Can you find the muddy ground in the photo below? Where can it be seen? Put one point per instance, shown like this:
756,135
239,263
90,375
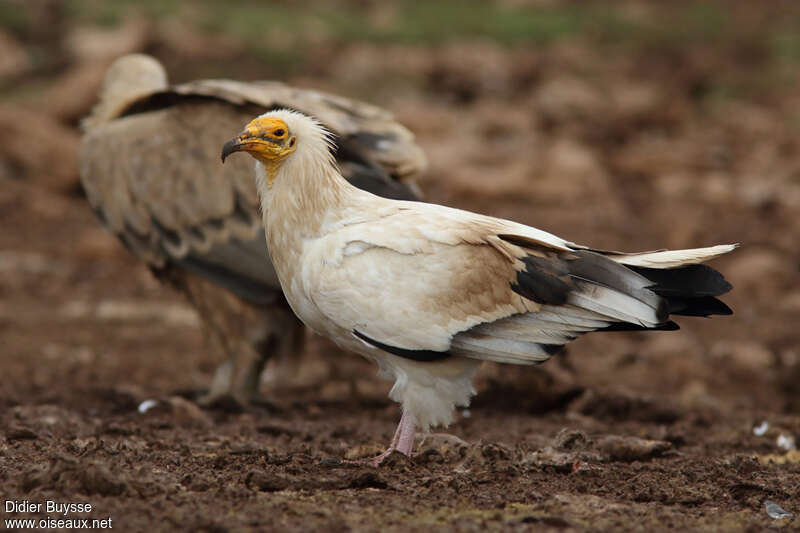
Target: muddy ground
656,144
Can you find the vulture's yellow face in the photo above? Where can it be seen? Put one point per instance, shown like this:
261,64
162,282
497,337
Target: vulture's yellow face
266,139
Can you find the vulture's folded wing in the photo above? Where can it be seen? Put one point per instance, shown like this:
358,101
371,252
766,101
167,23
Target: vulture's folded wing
426,287
154,180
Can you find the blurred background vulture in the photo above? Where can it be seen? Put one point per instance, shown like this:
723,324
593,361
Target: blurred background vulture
150,166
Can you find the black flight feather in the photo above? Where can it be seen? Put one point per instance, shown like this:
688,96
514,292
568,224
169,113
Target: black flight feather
415,355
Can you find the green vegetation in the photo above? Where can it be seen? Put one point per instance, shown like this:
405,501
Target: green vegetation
13,18
291,25
113,12
284,33
410,22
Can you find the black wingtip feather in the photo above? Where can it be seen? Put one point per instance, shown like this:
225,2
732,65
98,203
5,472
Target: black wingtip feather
702,306
689,290
686,281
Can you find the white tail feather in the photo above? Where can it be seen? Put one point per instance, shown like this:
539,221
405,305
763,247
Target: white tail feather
673,258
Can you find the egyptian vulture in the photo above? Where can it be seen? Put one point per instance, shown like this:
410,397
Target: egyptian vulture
429,292
150,170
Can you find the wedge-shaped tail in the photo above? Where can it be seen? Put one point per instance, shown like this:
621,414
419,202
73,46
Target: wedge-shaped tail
587,290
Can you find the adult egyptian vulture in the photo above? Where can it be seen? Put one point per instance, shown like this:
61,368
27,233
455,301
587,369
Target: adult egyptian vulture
150,170
429,292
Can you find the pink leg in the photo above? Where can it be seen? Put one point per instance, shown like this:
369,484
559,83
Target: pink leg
396,437
403,440
407,429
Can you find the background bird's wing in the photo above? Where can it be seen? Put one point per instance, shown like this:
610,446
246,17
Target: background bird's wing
365,134
155,179
152,172
489,289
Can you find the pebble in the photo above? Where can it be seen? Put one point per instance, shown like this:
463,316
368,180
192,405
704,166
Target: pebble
146,406
761,429
786,442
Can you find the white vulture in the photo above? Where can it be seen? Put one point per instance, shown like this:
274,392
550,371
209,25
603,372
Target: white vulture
429,292
150,170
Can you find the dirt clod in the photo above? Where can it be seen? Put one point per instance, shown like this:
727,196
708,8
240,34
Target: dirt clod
570,439
265,481
20,433
632,448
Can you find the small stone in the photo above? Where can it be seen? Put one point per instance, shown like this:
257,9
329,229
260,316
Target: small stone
786,442
146,406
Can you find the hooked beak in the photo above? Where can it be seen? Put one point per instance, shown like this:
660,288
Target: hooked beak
236,144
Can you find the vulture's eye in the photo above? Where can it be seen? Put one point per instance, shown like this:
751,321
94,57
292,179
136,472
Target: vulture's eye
279,133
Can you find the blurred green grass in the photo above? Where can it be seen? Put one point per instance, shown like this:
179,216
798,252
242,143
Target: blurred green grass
435,22
402,22
287,34
290,26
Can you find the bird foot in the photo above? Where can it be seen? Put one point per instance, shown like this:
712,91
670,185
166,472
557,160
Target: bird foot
402,442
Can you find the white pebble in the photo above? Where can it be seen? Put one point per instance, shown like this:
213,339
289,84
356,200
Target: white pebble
146,406
786,442
761,429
